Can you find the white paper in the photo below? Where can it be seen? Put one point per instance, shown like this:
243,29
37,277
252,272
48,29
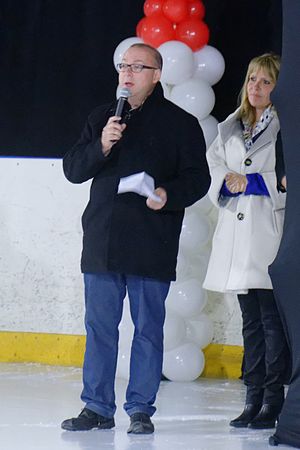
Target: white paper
141,183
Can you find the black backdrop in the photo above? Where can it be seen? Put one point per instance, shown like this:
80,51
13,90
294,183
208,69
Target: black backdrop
56,62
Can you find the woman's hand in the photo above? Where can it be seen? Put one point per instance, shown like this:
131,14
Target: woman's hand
283,182
235,182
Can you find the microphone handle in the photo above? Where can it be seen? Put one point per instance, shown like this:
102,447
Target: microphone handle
120,106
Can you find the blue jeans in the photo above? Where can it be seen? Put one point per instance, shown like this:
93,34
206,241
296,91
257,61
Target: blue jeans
104,295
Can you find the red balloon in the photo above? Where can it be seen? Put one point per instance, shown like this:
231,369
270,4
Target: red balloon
175,10
157,29
139,27
153,7
193,32
196,9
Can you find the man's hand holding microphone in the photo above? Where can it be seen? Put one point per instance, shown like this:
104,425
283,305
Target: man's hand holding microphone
111,133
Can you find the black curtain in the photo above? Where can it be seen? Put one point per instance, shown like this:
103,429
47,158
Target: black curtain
56,59
241,30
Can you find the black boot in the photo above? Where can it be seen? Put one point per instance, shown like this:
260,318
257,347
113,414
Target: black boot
266,418
87,420
285,437
242,421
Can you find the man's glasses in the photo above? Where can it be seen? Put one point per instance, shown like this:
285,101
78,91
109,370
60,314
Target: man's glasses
136,68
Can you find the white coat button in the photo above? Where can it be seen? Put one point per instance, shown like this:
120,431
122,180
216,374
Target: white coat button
240,216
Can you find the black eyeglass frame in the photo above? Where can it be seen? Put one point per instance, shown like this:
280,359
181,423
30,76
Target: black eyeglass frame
122,67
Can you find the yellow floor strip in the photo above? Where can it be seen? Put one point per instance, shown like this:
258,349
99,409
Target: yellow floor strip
221,361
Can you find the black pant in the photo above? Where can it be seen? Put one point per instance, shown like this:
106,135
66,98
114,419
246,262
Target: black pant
266,354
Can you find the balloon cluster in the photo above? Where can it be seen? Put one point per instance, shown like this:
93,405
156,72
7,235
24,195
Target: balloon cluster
190,69
187,328
167,20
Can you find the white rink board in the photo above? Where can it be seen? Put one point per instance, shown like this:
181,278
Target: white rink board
40,246
41,287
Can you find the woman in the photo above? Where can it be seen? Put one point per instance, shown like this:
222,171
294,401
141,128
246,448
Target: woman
247,237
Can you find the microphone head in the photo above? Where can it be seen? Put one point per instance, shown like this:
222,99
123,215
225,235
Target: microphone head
124,92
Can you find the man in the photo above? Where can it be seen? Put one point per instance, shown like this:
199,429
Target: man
129,243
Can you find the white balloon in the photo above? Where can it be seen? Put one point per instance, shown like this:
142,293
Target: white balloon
174,330
183,268
122,47
199,264
126,327
178,62
123,363
183,363
167,88
209,64
194,96
209,127
200,330
187,298
195,232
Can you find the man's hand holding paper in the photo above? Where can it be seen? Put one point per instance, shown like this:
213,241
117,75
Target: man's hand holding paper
143,184
157,204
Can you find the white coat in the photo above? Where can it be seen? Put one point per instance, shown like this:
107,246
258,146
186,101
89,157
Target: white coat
249,227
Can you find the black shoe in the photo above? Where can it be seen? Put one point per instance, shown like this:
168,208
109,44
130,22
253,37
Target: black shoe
87,420
274,441
285,437
242,421
266,418
140,423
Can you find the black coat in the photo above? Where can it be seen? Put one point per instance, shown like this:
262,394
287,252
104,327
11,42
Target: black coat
120,233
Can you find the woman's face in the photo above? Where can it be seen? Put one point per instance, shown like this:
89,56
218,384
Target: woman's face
259,88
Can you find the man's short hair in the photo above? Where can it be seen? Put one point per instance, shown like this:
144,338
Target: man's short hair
156,55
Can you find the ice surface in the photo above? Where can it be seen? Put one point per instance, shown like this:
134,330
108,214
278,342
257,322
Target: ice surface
190,416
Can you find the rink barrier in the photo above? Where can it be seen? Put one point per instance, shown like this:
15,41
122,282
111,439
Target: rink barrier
221,361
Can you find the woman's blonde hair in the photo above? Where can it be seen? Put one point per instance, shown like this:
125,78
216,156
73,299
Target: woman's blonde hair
270,63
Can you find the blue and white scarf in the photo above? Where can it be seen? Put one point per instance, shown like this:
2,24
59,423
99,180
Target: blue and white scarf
251,134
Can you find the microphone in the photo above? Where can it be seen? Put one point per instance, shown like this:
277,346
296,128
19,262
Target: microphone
124,94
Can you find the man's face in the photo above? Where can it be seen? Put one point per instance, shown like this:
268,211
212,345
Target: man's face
140,84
